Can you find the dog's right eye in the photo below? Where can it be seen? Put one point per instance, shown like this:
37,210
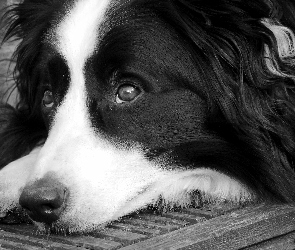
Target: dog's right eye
127,93
47,99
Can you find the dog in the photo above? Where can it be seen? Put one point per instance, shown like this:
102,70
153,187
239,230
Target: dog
133,104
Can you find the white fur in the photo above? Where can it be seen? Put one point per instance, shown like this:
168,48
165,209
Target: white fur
284,36
285,39
77,34
13,178
104,182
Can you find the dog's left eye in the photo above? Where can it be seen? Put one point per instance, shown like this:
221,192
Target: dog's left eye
127,93
48,100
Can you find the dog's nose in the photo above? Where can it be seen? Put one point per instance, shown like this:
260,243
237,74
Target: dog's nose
44,200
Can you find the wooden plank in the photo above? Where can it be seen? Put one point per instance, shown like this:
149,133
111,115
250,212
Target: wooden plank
126,231
89,242
28,236
286,242
120,235
233,231
15,241
8,245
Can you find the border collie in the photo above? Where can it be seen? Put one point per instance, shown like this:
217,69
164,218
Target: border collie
129,104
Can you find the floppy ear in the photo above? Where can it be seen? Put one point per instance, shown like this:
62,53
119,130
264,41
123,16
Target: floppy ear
23,127
30,16
248,49
27,22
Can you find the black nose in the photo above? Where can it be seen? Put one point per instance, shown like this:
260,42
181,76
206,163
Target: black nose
44,200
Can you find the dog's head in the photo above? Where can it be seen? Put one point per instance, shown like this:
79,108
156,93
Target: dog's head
149,102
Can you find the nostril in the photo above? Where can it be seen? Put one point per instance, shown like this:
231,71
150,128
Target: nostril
44,203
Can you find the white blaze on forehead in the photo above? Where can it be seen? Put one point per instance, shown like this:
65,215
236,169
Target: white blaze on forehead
76,38
77,33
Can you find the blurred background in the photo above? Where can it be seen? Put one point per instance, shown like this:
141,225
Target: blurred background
7,92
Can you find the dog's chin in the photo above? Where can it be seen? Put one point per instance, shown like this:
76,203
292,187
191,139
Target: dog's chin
175,191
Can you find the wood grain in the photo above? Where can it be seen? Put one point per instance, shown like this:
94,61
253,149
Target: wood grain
286,242
234,231
254,227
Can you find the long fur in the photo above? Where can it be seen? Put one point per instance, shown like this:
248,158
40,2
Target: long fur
244,52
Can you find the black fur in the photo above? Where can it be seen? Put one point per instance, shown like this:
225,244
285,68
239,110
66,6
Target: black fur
248,130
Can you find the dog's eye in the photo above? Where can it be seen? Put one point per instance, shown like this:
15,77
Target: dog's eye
127,93
47,100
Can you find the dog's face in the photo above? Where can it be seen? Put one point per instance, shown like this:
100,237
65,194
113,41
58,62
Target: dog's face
127,101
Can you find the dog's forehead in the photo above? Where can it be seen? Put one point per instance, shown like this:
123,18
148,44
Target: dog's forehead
77,34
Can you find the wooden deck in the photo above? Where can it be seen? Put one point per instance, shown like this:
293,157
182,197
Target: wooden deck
270,227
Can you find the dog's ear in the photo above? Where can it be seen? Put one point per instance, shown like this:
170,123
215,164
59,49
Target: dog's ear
245,53
30,16
28,22
22,126
248,48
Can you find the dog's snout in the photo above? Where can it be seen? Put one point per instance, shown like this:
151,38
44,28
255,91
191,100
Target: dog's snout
44,201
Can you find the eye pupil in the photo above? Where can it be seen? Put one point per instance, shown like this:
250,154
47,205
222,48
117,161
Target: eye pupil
127,93
47,100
